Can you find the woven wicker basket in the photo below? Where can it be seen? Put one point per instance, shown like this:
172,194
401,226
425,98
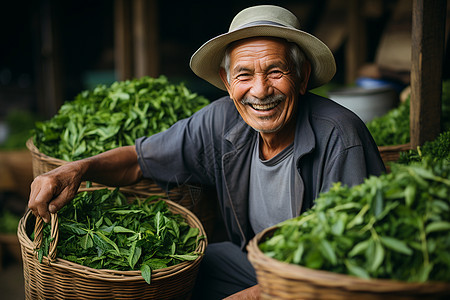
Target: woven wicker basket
57,278
193,197
43,163
279,280
392,153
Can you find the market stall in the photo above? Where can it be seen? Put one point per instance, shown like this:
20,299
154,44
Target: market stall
137,56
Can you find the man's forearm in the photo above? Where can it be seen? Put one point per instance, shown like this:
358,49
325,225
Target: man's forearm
117,167
251,293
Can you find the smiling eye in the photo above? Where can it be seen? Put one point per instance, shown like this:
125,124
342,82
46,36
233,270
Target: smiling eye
244,76
275,74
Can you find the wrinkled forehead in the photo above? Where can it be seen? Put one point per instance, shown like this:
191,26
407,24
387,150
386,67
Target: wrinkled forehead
273,41
266,50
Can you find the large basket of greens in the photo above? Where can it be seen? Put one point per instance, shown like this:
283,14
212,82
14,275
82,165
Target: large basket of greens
108,117
107,244
391,131
388,238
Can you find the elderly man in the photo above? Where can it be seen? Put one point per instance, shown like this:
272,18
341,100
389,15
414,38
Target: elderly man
269,148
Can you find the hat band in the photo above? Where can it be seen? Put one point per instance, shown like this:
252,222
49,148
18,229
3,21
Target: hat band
255,23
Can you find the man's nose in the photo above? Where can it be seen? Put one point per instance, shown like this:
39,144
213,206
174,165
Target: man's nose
261,87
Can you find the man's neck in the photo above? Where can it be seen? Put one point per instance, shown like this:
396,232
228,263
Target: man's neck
273,143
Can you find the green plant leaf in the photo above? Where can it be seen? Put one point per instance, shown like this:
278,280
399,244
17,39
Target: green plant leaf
396,245
146,272
135,254
437,226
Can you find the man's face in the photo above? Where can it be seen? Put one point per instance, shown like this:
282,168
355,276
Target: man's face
263,83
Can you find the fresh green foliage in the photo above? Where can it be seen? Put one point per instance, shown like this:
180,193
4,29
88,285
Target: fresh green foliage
395,226
436,150
100,229
8,222
108,117
393,127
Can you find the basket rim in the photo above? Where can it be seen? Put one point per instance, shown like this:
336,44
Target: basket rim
330,279
400,147
116,275
40,159
35,151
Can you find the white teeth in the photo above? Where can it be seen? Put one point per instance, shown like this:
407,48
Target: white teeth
265,106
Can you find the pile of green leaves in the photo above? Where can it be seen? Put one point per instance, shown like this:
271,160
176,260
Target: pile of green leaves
395,226
393,127
111,116
100,229
436,150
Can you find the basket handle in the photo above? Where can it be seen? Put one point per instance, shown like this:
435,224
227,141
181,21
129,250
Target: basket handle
54,234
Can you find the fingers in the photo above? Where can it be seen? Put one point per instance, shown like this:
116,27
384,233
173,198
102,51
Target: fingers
44,189
52,190
62,199
40,196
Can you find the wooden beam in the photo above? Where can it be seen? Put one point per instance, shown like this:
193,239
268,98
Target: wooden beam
122,40
428,30
355,52
49,66
145,38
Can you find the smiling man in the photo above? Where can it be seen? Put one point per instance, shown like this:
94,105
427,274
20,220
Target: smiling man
263,82
269,148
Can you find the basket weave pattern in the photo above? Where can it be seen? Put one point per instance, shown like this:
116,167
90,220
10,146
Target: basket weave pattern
279,280
57,278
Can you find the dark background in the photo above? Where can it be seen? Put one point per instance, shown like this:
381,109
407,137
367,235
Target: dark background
86,42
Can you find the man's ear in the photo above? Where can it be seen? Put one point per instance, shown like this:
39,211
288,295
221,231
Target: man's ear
305,73
223,76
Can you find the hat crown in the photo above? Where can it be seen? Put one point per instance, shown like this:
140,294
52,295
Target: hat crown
264,21
264,15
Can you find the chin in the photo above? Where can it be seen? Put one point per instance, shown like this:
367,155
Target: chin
267,130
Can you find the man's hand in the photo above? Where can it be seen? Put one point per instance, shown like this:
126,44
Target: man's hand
252,293
52,190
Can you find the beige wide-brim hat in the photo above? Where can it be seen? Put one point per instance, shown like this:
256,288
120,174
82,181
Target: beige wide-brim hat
264,20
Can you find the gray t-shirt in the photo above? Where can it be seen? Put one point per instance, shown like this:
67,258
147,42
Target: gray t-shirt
270,195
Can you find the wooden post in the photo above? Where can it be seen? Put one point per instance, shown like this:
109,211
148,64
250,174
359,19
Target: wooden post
428,30
145,39
355,53
50,92
122,40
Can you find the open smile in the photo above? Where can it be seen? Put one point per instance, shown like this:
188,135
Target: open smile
265,107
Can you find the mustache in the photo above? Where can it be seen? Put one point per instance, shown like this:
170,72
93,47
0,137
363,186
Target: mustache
266,100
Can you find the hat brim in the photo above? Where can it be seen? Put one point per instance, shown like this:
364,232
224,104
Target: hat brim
205,62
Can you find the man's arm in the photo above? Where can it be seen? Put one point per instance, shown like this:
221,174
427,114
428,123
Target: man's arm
251,293
52,190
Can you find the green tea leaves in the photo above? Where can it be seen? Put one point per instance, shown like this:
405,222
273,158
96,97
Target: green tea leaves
437,226
86,241
146,272
396,245
327,251
135,254
108,117
113,234
393,226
